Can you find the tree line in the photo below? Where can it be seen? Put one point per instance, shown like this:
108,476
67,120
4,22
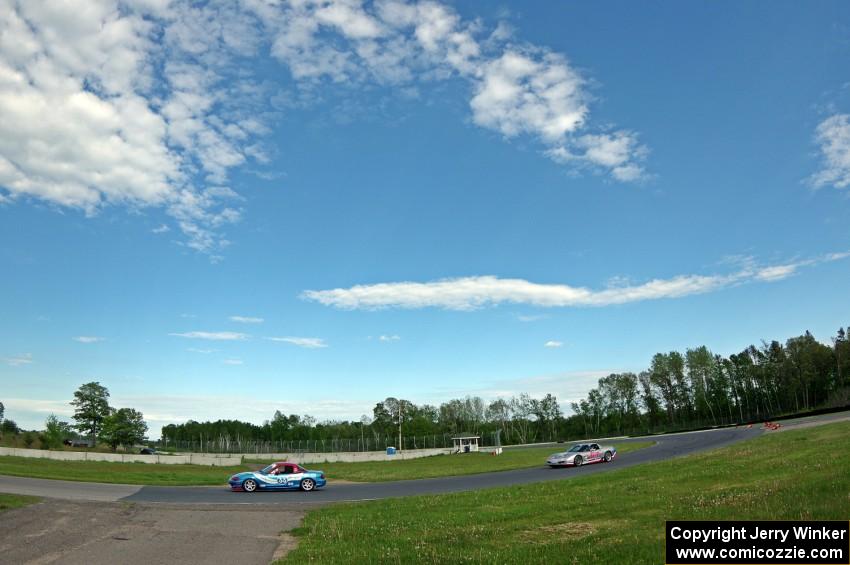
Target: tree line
94,418
394,421
699,387
677,391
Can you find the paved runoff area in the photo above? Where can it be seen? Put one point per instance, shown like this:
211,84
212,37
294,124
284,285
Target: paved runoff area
94,523
94,533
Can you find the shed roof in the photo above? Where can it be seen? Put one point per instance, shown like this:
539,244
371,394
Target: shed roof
466,437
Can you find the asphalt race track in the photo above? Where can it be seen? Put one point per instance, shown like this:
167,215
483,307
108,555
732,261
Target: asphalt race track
667,446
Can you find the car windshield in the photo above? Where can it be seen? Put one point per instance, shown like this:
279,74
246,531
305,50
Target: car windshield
267,470
575,448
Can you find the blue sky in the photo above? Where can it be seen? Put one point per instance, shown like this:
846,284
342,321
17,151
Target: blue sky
224,209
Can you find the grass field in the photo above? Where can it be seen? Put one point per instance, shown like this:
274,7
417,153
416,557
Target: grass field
10,501
616,517
448,465
126,473
201,475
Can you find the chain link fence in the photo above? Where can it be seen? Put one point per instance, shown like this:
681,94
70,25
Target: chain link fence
224,444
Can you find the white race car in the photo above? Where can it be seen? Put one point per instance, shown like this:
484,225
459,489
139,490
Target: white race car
581,454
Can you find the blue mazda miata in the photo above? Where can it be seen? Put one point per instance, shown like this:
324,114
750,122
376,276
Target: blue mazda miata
278,476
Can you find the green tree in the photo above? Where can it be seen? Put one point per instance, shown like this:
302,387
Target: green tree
91,408
125,426
54,432
700,367
9,427
548,413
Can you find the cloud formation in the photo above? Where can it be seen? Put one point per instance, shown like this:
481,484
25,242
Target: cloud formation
553,344
516,88
88,339
247,319
19,360
306,342
113,103
833,138
470,293
151,104
213,336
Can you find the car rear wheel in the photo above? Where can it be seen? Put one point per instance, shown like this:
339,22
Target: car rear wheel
608,456
578,461
249,485
307,485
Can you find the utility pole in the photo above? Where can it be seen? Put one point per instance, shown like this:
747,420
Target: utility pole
400,418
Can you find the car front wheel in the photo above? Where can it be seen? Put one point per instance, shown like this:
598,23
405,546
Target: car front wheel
607,456
578,461
250,485
307,485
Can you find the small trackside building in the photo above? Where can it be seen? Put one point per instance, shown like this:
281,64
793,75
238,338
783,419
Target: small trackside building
466,443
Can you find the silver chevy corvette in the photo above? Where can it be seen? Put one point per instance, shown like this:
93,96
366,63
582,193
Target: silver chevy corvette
581,454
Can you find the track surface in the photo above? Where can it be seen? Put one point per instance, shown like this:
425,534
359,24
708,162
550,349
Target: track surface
667,446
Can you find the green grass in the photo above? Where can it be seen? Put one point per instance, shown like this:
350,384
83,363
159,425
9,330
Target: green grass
615,517
10,501
126,473
201,475
447,465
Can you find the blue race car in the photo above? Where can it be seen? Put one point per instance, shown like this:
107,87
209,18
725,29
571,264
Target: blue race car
278,476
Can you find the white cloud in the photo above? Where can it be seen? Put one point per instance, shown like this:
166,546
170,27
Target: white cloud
516,89
161,229
306,342
389,338
776,272
246,319
41,407
833,138
106,103
201,351
553,344
213,336
526,92
88,339
19,360
530,317
232,362
618,152
141,103
469,293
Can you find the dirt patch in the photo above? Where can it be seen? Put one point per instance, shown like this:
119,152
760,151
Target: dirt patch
555,533
287,543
